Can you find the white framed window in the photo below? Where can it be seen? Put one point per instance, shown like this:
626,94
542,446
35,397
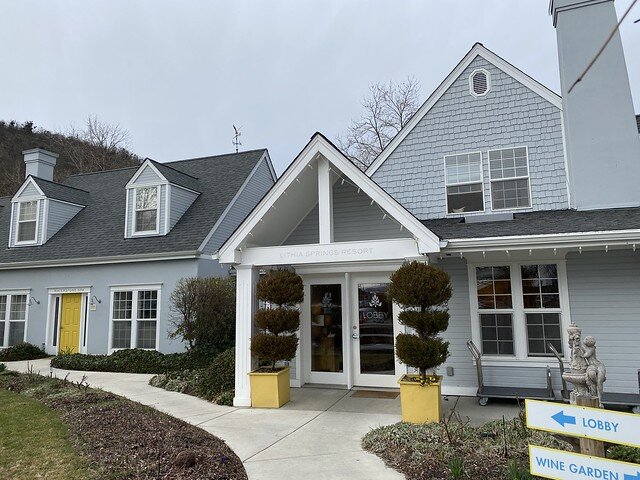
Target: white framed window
13,318
518,308
479,82
134,317
146,215
464,183
509,174
27,224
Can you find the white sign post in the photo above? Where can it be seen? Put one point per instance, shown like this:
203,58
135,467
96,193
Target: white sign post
561,465
586,422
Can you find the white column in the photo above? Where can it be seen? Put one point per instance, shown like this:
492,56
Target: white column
325,201
246,279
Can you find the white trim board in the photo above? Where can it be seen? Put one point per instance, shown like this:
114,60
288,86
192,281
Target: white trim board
318,147
478,50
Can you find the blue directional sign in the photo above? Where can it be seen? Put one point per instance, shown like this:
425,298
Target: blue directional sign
594,423
561,465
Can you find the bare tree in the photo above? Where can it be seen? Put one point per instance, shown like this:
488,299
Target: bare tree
386,110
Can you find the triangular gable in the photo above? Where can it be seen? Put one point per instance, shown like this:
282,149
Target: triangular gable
320,147
145,169
29,189
478,50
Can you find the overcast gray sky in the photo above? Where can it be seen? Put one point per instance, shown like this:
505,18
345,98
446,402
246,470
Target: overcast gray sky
178,74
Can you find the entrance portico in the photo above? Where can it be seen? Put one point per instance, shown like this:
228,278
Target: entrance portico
344,235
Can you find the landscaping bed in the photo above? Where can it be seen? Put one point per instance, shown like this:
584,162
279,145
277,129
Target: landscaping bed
22,351
214,383
119,439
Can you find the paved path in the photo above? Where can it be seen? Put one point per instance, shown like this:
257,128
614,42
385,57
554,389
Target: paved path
316,436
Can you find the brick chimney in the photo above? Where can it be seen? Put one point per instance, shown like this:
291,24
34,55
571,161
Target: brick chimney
40,163
602,143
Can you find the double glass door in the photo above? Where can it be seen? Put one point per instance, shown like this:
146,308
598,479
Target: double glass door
352,325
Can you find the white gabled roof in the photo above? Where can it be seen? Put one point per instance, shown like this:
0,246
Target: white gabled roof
478,50
320,146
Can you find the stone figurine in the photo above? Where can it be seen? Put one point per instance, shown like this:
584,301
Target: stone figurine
587,374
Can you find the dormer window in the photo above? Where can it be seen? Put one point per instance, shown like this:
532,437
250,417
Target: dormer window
146,210
27,222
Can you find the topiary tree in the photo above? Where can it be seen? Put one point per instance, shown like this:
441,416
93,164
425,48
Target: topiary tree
277,340
423,292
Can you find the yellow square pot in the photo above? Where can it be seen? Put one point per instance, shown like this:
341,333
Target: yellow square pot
270,389
420,403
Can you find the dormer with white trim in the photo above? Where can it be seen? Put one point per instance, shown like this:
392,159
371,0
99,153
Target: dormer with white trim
156,198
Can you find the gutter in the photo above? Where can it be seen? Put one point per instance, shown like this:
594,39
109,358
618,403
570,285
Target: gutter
114,259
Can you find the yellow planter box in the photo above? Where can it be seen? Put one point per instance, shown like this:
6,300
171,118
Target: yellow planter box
270,389
420,404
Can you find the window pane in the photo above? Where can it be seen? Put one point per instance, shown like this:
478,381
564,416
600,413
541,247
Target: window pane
28,210
543,328
3,307
493,285
540,286
16,333
121,337
497,334
26,231
2,326
461,202
146,198
146,334
463,168
18,307
510,194
146,220
147,304
122,302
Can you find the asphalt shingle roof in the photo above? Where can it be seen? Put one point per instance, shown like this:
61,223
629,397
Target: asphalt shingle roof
176,177
98,230
63,192
539,223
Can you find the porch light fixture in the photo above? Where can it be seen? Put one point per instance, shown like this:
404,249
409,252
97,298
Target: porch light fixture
32,300
95,299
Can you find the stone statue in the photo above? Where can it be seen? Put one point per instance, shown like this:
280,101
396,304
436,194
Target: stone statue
587,374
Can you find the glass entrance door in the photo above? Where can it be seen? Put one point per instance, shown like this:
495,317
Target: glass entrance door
374,330
326,332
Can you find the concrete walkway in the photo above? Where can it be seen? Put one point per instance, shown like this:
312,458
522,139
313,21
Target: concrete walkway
315,436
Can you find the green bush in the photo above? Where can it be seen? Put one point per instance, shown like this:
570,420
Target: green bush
624,453
204,313
3,367
214,383
22,351
135,361
276,339
423,292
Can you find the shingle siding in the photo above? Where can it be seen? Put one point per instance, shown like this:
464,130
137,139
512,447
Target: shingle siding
259,184
148,177
509,115
59,214
179,202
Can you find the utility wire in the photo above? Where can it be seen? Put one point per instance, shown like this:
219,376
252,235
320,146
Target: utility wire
617,27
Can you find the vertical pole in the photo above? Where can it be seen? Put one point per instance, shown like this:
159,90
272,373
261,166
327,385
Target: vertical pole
246,279
594,448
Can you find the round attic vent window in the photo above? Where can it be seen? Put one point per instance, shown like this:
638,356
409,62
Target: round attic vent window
479,82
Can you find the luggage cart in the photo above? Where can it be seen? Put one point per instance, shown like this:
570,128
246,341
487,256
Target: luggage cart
485,392
631,400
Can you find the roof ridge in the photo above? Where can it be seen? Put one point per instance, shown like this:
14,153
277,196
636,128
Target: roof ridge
216,156
36,179
103,171
174,169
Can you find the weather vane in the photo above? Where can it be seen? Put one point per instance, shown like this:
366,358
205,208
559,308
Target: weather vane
236,137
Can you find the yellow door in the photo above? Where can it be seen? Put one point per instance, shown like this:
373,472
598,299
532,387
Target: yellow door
70,322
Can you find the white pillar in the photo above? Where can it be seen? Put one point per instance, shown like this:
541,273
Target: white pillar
325,202
246,279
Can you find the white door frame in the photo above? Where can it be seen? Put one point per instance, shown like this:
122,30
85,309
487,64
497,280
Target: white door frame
363,379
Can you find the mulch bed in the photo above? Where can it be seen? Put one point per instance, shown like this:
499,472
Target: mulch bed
126,440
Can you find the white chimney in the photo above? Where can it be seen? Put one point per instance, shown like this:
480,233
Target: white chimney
601,135
40,163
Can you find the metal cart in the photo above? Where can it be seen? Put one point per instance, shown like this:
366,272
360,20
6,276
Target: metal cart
631,400
486,391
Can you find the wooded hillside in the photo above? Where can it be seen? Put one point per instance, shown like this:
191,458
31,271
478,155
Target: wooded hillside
95,148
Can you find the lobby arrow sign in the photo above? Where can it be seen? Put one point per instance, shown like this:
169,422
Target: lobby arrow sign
561,465
587,422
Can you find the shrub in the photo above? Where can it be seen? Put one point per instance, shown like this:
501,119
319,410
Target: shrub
135,361
22,351
423,292
276,339
204,312
624,453
3,367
